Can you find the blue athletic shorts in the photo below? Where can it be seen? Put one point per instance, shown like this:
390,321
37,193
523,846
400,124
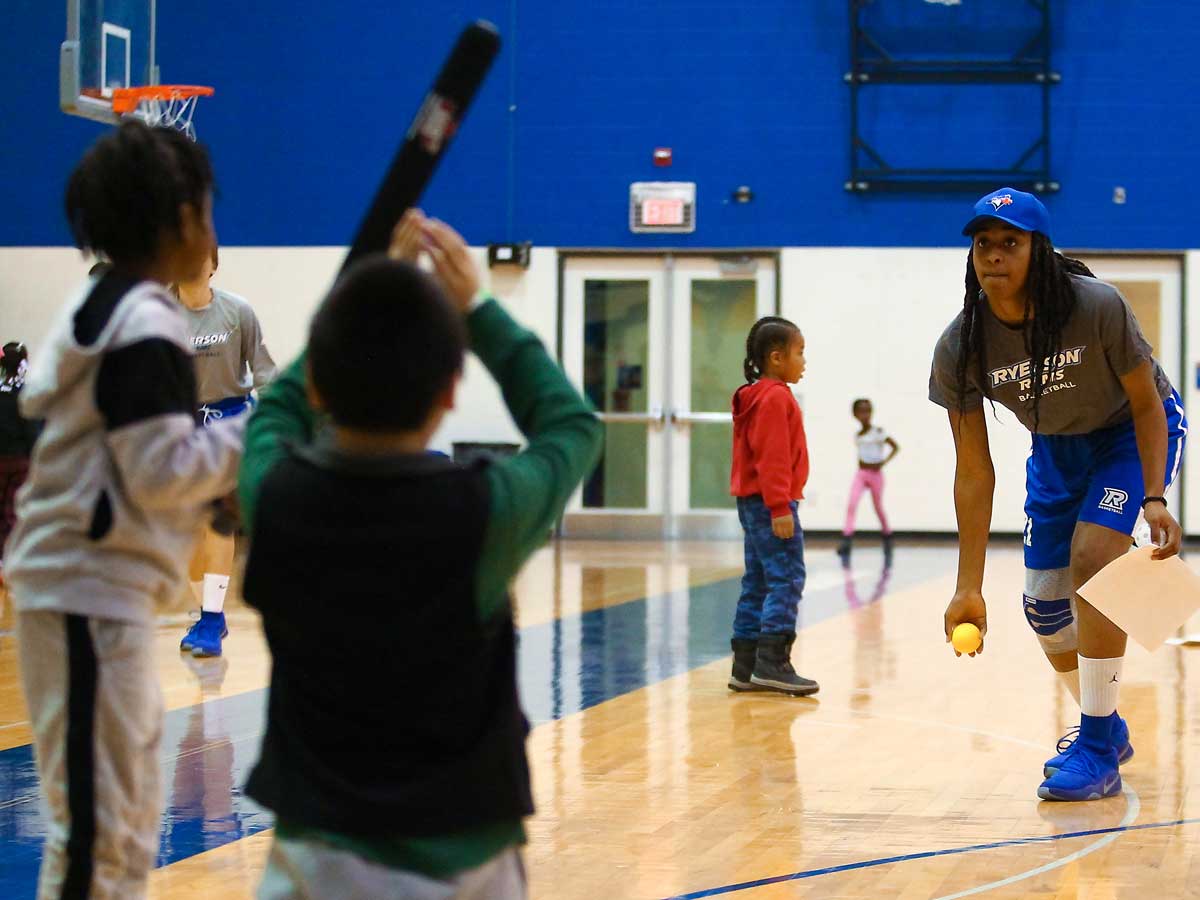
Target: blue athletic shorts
1094,477
224,409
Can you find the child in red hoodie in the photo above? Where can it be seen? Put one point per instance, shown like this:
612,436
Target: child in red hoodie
770,468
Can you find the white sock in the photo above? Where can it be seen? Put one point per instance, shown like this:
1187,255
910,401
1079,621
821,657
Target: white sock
213,717
1070,681
214,592
1099,683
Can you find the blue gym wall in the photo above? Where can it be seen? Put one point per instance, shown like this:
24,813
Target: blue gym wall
312,98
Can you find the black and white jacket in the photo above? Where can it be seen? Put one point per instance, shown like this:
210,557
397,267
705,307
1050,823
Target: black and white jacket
122,475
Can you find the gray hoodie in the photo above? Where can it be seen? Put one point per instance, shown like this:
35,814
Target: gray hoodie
121,475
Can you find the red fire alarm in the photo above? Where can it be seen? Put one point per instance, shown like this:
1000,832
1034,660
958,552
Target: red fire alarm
662,156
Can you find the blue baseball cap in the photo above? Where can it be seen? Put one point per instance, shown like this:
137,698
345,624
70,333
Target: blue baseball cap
1017,208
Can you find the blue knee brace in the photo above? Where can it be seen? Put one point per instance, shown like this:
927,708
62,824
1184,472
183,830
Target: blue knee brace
1050,609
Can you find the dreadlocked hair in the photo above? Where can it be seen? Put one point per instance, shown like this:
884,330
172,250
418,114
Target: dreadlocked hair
768,333
1049,302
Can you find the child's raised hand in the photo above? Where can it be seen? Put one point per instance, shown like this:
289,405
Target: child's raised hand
452,262
784,527
406,237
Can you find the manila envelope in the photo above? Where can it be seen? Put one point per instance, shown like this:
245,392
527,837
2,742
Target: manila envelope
1147,599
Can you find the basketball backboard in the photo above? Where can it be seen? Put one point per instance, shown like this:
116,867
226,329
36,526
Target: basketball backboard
110,44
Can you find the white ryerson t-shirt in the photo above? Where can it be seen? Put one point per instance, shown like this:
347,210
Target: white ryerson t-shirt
1101,342
872,446
231,358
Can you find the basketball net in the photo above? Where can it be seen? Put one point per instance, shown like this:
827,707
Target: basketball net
174,113
162,106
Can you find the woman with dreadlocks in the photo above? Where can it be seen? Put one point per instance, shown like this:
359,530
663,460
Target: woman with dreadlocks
1039,334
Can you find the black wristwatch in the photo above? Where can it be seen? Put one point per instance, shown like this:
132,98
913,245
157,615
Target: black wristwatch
1145,500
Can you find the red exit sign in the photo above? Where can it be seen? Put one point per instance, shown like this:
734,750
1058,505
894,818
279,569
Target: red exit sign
659,207
662,211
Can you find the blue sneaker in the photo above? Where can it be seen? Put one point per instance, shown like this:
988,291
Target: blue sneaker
1090,771
204,637
1120,739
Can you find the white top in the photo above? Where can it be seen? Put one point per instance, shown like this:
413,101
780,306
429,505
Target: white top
872,446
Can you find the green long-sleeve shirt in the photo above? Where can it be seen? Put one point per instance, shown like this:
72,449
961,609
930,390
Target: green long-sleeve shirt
527,494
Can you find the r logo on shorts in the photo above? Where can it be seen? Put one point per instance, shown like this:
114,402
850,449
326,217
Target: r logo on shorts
1114,500
1073,478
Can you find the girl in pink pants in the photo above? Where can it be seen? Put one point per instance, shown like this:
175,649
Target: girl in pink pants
876,449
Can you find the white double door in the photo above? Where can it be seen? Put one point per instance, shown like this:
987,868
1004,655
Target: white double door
657,344
1154,288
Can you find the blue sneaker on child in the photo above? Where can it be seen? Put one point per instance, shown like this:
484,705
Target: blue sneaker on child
1090,770
1066,743
204,637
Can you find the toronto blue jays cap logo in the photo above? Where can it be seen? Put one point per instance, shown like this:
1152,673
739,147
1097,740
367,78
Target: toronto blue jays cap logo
1013,207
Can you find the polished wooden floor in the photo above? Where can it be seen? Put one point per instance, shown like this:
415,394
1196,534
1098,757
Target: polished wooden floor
911,775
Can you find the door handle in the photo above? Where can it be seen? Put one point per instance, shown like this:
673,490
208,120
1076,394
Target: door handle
686,417
654,417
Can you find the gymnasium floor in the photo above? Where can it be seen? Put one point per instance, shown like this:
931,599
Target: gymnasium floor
911,775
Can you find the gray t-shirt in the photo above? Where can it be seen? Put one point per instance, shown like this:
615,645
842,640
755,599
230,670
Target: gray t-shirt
1101,342
227,341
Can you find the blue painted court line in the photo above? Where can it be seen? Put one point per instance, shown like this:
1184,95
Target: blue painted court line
606,653
885,861
565,666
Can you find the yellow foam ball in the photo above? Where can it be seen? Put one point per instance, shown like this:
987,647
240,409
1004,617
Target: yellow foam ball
966,638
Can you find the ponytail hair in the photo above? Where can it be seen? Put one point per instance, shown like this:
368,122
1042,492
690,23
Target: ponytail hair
768,334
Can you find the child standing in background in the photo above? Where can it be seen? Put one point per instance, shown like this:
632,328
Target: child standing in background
770,468
17,435
231,360
876,449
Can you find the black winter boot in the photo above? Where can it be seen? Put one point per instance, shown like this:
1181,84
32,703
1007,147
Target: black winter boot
744,652
843,550
887,551
773,667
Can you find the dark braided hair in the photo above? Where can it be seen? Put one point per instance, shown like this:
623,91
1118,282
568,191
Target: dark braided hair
768,333
1049,302
125,193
